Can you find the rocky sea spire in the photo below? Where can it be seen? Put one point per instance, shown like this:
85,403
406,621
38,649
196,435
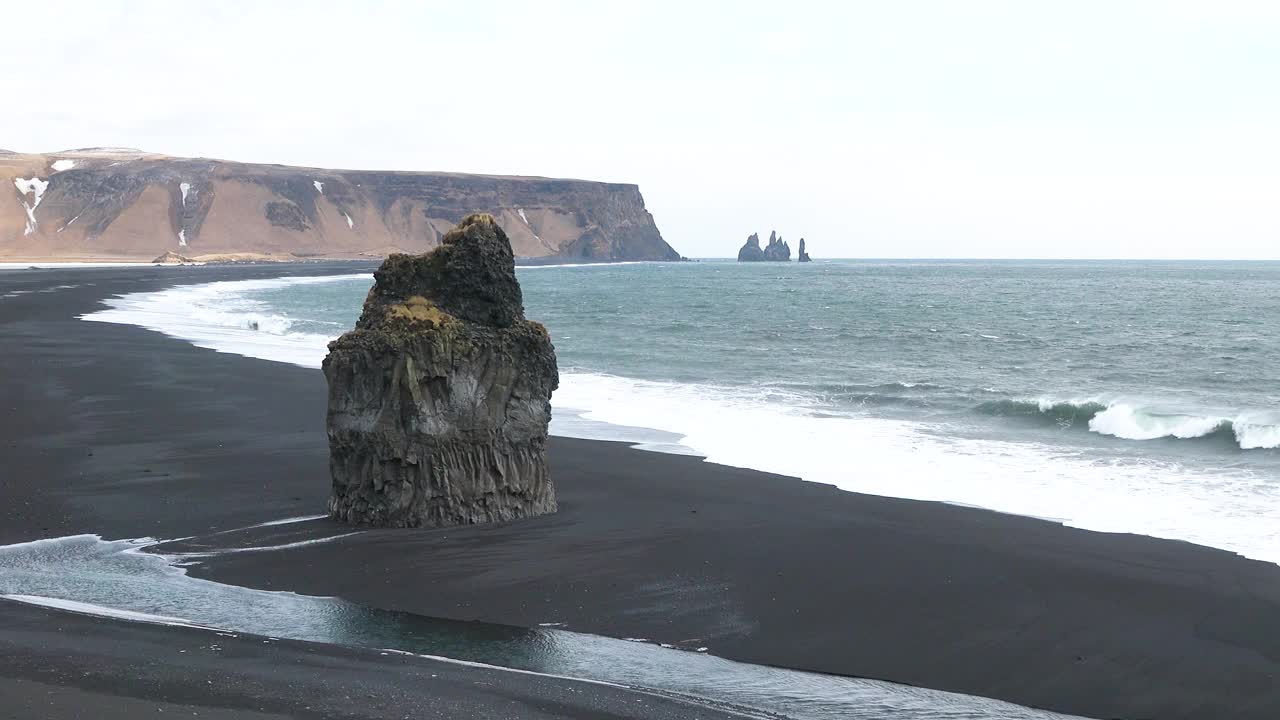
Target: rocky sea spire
777,249
439,399
751,251
802,255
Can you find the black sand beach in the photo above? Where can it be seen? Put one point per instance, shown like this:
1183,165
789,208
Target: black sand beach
126,433
60,665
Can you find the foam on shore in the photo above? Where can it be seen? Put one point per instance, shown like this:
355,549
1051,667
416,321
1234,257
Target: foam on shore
116,579
788,433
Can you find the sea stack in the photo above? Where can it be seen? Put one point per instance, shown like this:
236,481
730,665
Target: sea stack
439,399
750,251
803,256
776,251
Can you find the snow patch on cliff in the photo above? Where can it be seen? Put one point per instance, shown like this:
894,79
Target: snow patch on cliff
60,165
105,151
525,218
350,223
182,231
71,221
31,186
319,186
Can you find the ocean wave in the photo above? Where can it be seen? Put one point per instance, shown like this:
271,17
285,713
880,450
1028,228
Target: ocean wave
224,316
1132,421
831,395
1064,413
810,431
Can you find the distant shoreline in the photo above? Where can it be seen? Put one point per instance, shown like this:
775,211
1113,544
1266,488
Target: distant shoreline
13,263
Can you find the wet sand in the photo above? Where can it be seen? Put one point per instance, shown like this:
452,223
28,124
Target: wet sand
123,432
63,666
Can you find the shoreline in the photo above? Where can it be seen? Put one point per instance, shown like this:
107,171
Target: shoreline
60,664
1025,476
147,435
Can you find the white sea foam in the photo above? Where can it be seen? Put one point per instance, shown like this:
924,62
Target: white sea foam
98,610
218,316
1131,423
913,460
262,548
288,521
1257,431
86,574
1134,420
898,458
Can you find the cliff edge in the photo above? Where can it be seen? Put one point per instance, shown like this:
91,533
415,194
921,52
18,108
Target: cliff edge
118,203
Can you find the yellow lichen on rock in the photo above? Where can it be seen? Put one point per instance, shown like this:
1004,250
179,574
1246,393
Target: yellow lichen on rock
460,229
421,309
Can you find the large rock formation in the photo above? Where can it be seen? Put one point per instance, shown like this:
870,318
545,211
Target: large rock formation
803,256
439,399
775,251
117,203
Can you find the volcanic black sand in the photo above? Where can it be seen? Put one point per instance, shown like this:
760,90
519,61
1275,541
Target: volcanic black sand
126,433
61,665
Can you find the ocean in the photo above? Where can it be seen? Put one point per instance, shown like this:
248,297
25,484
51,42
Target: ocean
1138,397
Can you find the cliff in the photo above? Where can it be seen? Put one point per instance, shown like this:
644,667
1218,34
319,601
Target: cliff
440,398
105,203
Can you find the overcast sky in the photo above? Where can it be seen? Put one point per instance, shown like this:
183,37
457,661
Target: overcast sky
873,129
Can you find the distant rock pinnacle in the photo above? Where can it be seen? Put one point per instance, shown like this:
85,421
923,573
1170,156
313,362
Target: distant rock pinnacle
776,251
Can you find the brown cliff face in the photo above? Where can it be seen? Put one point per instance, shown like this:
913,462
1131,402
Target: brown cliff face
128,204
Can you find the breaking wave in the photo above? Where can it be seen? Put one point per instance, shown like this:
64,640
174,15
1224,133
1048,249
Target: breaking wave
216,315
834,433
1132,421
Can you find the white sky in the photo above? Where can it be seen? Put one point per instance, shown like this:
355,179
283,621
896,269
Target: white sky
873,129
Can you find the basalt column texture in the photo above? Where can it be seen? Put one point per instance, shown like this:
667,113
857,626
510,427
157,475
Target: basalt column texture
439,399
